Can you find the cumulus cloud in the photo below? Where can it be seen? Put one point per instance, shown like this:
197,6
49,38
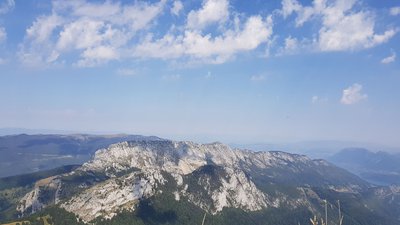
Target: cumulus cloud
38,46
342,26
97,55
352,95
391,58
176,8
293,45
212,11
6,6
86,33
394,11
304,13
97,32
93,33
213,49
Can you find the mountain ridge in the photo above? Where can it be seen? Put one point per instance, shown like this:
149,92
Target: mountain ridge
180,159
380,168
132,177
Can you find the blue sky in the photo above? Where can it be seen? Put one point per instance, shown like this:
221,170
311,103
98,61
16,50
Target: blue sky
234,71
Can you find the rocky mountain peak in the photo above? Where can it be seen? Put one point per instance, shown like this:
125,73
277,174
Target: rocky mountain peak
211,176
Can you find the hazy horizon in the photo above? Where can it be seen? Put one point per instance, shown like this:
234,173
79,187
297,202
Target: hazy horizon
311,147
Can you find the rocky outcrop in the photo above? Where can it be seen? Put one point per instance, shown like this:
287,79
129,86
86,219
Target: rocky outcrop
211,176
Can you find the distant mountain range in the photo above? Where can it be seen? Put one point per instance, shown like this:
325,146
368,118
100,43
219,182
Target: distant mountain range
167,182
380,168
24,153
321,149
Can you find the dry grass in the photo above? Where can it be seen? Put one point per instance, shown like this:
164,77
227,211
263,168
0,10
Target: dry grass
45,219
44,182
314,221
15,223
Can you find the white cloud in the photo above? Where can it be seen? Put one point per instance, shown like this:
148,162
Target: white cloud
97,32
140,15
342,26
257,78
42,29
353,94
352,32
394,11
212,11
176,7
97,55
292,46
136,16
218,49
3,34
38,47
391,58
82,34
289,7
6,6
304,13
87,33
81,8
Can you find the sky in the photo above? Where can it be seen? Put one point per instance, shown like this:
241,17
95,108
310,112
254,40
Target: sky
212,70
